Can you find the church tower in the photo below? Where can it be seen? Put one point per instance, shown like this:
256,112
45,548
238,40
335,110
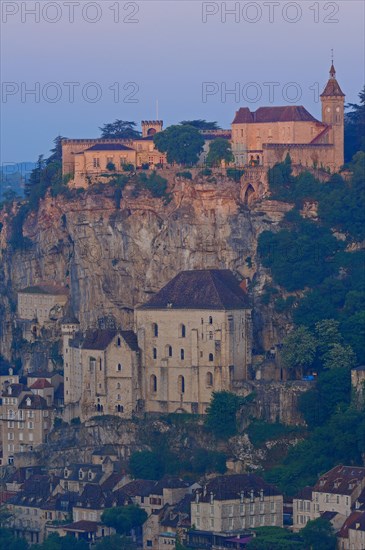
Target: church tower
333,113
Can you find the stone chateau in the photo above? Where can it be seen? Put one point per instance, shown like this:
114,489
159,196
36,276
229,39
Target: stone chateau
259,139
191,338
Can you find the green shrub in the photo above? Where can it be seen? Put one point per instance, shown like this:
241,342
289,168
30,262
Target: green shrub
186,175
234,174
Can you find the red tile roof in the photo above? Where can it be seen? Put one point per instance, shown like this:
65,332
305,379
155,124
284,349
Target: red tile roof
341,480
41,384
289,113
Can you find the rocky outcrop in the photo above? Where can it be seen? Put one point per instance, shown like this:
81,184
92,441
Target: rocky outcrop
113,256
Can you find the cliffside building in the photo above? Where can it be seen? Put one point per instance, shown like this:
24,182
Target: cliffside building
191,338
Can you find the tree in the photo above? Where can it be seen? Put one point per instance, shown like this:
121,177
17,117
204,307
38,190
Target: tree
116,542
319,534
274,538
55,542
183,144
146,465
121,129
201,124
339,357
219,150
299,350
221,418
124,518
355,127
8,541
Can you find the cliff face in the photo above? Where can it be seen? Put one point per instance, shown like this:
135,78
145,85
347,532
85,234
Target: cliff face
113,256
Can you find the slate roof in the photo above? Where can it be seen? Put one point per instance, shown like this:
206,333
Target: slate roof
169,482
332,87
230,487
355,521
101,338
52,290
341,480
289,113
213,289
109,147
138,487
82,526
16,390
305,493
36,402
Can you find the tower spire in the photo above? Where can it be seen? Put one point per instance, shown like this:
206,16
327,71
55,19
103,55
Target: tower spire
332,69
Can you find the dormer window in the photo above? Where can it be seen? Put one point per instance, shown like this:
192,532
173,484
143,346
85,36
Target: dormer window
81,474
65,473
90,476
28,402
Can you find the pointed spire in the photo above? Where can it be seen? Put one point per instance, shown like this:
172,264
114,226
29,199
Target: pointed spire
332,87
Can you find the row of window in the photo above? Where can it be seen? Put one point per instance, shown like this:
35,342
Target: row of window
21,435
251,521
180,382
169,353
181,329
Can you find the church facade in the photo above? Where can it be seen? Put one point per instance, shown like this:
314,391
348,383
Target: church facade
265,136
192,338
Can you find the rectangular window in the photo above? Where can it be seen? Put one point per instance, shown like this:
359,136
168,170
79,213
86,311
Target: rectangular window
96,163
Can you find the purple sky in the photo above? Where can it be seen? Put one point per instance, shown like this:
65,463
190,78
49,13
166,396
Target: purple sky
168,53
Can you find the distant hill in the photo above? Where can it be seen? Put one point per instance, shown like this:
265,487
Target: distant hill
14,176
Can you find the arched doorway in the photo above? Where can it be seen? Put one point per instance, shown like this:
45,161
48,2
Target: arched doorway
249,194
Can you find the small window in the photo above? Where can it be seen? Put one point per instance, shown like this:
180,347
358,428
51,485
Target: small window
155,330
118,386
209,379
182,331
181,384
210,320
119,367
168,351
154,353
119,342
153,383
211,357
182,354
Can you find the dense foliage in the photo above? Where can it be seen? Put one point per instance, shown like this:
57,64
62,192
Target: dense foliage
120,129
221,417
124,518
183,144
316,535
355,127
201,124
219,150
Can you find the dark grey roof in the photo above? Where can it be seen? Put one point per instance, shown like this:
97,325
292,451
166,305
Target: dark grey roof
288,113
213,289
109,147
100,339
230,487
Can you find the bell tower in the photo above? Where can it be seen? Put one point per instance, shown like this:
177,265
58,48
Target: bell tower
333,114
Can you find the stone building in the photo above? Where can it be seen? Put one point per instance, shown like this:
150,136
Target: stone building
195,338
39,306
236,502
26,420
101,372
336,491
264,137
352,534
89,160
192,338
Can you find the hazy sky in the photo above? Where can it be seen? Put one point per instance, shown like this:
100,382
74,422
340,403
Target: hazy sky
92,62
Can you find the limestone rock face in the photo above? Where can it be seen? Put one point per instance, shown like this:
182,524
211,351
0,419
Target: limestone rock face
113,256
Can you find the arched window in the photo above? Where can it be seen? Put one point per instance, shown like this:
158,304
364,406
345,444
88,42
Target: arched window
119,342
154,353
182,354
155,330
153,383
210,320
98,407
118,386
209,379
182,331
119,367
118,397
119,408
211,357
181,384
168,351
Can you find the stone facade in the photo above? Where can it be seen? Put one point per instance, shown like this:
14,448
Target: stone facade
236,502
266,136
336,491
39,306
26,420
192,338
